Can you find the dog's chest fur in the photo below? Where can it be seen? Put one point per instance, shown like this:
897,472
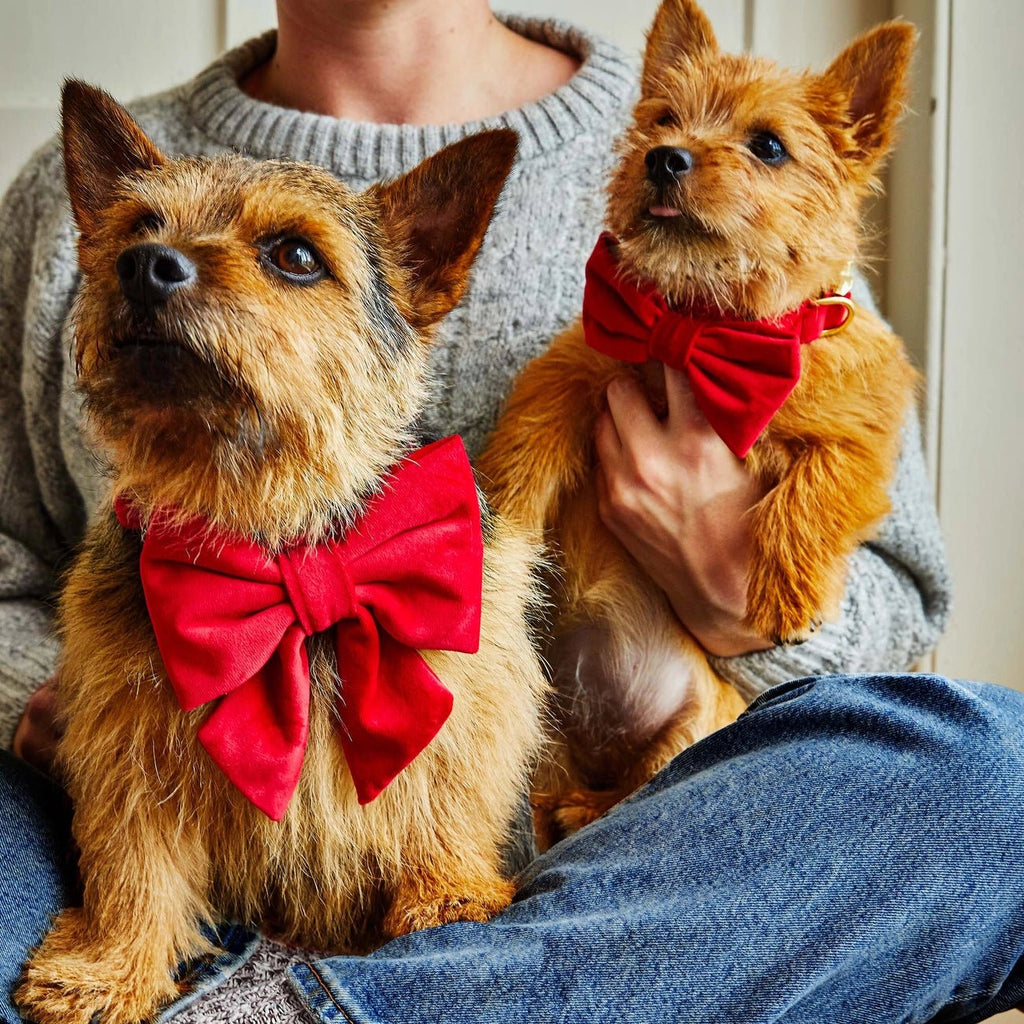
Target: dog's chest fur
320,877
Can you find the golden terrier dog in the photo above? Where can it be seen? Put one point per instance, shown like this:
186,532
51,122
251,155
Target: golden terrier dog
733,218
297,678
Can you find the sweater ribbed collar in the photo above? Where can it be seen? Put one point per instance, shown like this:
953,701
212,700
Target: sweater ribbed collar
601,88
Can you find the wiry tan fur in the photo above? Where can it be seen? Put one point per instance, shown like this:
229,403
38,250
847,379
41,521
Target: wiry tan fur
292,402
753,241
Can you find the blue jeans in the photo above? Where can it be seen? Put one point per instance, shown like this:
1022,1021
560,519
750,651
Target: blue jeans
36,873
851,850
38,877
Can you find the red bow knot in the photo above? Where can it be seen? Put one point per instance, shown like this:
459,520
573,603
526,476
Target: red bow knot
740,371
320,598
231,621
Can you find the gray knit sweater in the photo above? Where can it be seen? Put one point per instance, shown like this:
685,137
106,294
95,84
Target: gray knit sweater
526,286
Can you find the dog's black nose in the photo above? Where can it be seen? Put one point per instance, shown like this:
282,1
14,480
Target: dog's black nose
667,164
149,273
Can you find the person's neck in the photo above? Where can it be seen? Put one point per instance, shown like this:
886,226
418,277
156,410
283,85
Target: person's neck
404,62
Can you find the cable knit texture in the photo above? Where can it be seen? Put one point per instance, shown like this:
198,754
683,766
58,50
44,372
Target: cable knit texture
527,285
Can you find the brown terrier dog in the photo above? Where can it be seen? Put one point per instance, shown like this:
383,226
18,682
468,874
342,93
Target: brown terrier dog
252,341
736,200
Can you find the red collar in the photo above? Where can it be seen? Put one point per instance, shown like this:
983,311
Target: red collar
741,371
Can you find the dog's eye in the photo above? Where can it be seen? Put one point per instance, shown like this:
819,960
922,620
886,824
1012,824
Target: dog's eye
767,147
667,120
296,259
148,222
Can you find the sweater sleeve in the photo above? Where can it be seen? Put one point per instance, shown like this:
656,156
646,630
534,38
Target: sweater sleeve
29,543
898,590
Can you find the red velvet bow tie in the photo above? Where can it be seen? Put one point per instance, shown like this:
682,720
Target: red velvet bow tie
231,621
741,371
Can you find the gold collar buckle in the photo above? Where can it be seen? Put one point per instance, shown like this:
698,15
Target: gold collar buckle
840,299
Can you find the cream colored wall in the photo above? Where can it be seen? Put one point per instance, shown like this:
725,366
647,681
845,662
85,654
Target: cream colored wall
955,218
131,47
915,270
981,413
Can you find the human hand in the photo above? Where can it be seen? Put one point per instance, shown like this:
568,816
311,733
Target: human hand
678,500
38,732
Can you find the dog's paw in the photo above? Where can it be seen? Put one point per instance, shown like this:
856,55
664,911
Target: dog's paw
796,639
65,992
557,816
71,979
46,998
445,908
784,622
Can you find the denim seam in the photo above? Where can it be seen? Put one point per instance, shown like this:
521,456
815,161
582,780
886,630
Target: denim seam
780,694
330,995
311,987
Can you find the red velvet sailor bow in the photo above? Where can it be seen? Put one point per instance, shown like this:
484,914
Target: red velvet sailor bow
231,620
741,371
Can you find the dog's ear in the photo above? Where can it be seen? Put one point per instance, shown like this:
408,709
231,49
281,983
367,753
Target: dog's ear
102,144
437,214
873,73
680,29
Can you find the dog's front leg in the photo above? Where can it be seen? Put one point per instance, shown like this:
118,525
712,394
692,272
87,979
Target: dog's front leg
804,531
145,881
542,447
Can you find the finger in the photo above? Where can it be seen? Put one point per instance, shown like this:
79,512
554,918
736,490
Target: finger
35,744
683,413
605,511
42,705
40,754
39,728
43,714
607,443
21,735
635,421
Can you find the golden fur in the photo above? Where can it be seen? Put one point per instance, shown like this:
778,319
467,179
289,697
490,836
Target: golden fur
754,241
279,415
